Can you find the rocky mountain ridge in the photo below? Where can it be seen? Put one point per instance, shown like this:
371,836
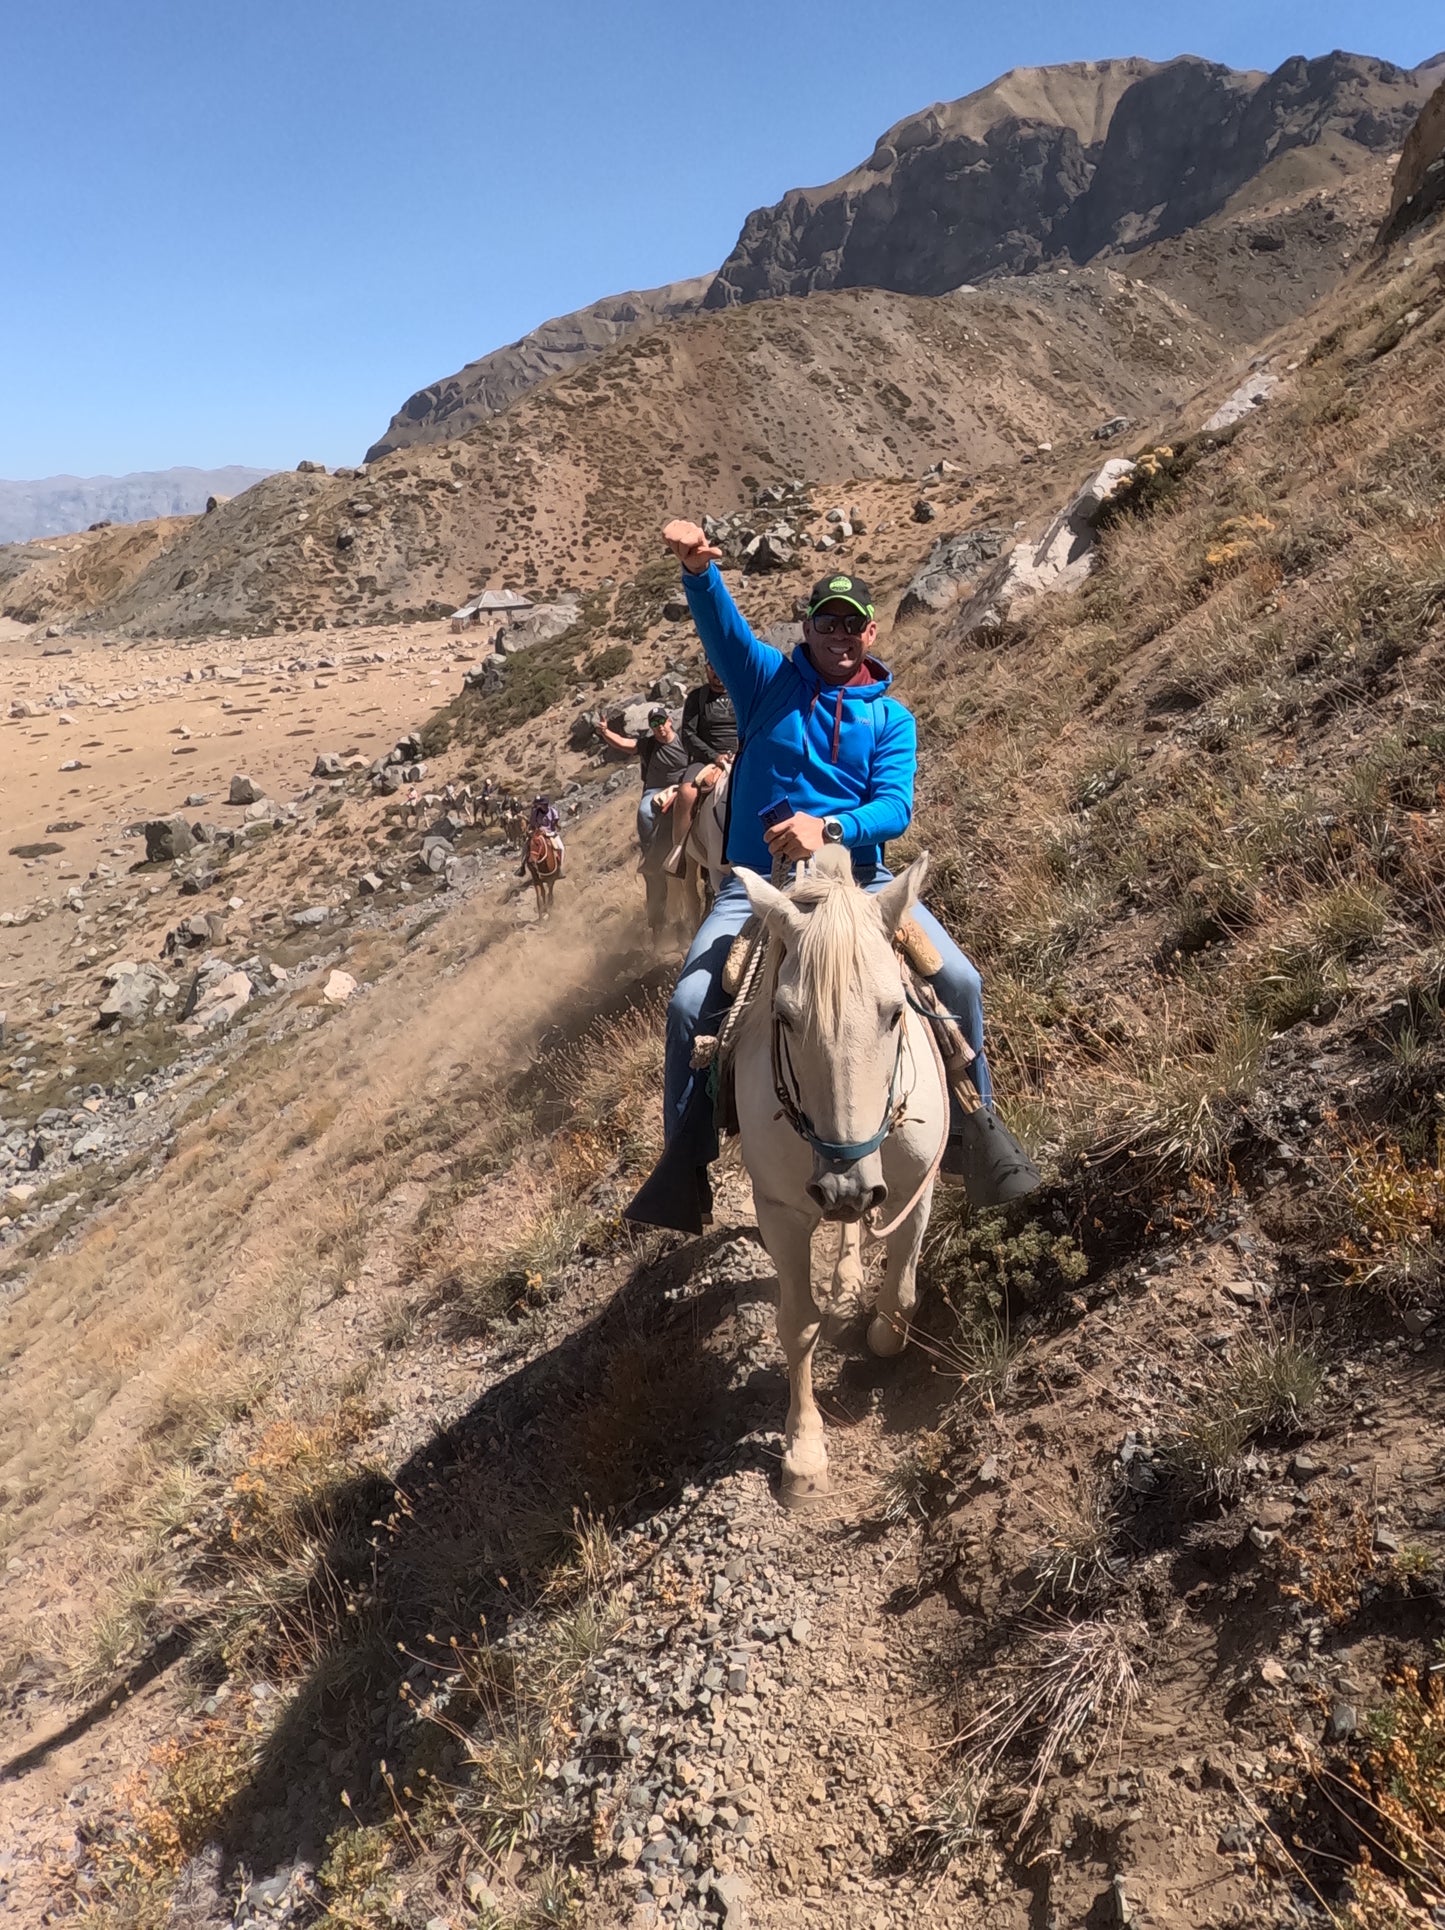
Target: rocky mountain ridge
1046,163
1012,176
485,387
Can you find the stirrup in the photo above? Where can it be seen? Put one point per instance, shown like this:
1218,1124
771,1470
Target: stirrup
992,1165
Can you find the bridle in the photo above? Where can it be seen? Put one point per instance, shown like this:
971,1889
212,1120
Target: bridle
785,1085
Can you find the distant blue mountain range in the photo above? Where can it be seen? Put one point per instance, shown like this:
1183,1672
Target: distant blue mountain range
56,505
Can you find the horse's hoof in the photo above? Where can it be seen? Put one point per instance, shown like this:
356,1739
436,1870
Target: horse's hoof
886,1337
804,1490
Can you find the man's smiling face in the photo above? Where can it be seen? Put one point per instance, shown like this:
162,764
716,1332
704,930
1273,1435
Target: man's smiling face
838,653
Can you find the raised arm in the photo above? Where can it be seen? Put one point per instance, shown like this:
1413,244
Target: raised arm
615,738
744,664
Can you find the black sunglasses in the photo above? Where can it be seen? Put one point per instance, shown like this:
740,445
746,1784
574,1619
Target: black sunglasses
829,626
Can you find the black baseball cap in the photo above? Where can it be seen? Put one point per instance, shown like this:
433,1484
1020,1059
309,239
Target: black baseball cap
657,715
841,589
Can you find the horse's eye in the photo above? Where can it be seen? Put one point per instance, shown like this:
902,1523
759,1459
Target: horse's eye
896,1020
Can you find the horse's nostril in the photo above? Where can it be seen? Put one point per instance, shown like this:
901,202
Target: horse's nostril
880,1195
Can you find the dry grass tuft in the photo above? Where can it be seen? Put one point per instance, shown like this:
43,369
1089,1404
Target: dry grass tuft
1082,1561
611,1080
1074,1688
1267,1385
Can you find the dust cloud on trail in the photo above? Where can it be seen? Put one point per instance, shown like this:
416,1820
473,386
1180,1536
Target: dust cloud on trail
172,1309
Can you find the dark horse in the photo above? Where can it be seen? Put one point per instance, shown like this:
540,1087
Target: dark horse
544,864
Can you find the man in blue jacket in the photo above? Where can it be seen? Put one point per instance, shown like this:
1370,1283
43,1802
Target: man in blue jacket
819,730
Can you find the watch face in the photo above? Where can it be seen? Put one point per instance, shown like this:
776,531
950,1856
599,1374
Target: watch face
832,831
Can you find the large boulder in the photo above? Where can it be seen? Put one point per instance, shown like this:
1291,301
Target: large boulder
953,562
1249,396
1060,560
541,625
216,997
1419,189
135,992
167,839
244,790
670,689
767,552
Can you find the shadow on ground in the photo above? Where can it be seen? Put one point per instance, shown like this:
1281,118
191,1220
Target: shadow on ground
614,1421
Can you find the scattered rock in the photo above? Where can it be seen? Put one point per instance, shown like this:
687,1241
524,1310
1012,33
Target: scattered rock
167,839
1115,426
924,511
1249,396
1342,1723
338,988
369,883
244,790
953,562
328,765
312,917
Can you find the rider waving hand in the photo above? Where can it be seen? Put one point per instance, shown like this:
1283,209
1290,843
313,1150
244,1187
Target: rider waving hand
820,729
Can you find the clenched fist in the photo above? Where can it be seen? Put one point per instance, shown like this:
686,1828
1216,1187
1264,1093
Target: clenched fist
690,547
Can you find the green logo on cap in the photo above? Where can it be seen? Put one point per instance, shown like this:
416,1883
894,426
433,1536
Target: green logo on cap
841,583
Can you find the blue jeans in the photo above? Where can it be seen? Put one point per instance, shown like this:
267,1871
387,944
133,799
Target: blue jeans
647,824
654,847
698,1000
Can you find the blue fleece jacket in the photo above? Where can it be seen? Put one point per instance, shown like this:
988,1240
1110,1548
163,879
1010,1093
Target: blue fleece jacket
835,751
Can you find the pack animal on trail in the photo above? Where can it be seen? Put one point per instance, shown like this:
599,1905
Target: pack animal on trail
842,1108
544,866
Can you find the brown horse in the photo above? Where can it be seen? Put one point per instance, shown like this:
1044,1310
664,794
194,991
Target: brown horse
544,864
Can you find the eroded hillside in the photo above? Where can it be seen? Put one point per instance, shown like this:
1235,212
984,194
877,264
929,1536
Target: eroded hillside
556,492
431,1522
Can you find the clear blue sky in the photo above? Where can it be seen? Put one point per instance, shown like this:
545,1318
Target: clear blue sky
246,230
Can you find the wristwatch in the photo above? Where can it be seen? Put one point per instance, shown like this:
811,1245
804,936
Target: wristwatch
832,830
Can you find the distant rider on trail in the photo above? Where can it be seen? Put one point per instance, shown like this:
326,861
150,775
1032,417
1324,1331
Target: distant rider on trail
821,734
543,817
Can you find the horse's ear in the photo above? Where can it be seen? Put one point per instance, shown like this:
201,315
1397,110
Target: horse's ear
774,907
894,900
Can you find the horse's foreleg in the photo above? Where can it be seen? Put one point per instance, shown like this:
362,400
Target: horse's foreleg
898,1295
848,1272
788,1236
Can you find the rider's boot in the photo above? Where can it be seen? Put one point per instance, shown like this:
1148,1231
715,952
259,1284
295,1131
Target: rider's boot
981,1152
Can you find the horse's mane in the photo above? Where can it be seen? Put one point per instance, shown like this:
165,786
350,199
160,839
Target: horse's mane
830,948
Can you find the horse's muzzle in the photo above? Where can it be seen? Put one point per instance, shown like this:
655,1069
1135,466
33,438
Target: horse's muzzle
848,1192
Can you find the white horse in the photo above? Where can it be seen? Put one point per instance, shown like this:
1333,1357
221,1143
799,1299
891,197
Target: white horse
842,1107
